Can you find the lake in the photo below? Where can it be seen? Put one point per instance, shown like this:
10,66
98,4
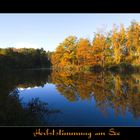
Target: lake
52,98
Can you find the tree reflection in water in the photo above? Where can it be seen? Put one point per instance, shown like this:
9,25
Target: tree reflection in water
120,92
12,112
116,91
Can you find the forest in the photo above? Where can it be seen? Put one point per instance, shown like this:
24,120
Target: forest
116,50
24,58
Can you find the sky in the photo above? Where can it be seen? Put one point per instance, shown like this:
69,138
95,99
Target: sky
48,30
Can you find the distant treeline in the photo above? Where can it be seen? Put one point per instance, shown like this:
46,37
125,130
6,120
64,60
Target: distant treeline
24,58
117,50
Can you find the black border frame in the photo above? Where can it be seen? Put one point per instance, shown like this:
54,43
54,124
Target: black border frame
68,6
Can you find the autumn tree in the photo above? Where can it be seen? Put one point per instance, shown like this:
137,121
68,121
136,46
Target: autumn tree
119,48
133,43
100,49
57,55
83,52
65,54
118,40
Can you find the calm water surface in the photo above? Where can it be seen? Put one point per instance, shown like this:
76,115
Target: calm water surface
41,97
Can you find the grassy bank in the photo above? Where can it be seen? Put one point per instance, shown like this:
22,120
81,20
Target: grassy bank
124,68
118,68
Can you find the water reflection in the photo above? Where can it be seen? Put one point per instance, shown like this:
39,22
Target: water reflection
12,111
120,92
79,98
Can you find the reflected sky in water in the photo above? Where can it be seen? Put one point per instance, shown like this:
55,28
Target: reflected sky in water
78,113
82,99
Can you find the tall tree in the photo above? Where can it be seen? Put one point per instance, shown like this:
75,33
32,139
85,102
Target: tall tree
133,43
99,49
83,52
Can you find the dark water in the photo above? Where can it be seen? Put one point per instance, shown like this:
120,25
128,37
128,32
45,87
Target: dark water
42,97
